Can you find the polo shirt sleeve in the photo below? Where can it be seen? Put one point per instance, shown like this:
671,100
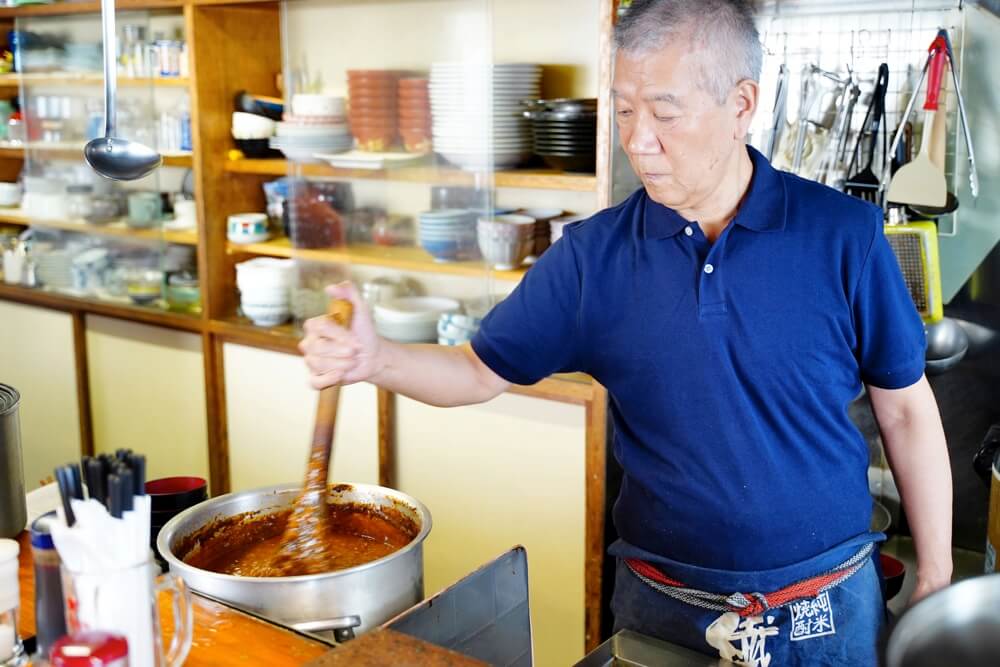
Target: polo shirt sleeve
891,338
534,332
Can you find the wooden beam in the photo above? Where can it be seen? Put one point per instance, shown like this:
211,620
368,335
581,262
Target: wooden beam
83,383
215,407
596,451
233,48
386,438
121,311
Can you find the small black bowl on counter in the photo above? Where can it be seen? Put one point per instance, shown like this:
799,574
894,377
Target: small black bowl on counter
565,132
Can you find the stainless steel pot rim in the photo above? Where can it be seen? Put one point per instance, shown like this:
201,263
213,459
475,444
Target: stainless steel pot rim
9,399
167,534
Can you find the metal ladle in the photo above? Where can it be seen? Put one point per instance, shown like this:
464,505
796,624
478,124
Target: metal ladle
110,156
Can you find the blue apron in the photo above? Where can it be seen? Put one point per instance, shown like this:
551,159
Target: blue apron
840,627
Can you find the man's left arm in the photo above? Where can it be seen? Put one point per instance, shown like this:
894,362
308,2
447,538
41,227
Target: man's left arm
918,457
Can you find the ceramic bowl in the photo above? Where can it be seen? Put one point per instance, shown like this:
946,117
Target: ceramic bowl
10,194
266,315
264,273
317,105
247,228
251,126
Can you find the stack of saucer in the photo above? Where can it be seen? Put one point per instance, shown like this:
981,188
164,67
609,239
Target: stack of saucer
316,125
449,234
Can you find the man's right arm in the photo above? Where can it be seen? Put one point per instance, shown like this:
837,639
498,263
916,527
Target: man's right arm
432,374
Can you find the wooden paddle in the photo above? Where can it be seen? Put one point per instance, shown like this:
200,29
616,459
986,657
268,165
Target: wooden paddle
921,182
304,543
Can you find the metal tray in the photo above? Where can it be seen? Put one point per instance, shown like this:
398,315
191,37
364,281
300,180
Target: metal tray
630,649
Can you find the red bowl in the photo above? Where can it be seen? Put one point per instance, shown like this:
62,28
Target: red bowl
894,572
173,493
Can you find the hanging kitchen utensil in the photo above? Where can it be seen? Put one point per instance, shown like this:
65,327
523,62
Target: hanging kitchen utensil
921,182
779,113
830,172
110,156
967,133
865,184
916,247
807,86
304,543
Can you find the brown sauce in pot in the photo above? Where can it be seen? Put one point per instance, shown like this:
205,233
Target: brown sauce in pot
247,544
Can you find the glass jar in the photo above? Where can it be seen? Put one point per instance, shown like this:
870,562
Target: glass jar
183,293
80,201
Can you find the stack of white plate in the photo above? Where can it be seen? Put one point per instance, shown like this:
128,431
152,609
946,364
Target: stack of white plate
477,113
449,234
412,319
301,138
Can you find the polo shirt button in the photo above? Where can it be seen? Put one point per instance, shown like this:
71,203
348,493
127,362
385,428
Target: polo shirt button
689,231
709,268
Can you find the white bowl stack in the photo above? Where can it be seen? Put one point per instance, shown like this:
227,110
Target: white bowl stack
506,240
265,289
477,113
412,319
316,125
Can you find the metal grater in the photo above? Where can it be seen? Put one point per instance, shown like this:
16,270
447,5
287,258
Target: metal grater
916,247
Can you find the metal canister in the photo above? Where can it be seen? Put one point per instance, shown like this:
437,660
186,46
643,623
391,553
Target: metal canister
13,513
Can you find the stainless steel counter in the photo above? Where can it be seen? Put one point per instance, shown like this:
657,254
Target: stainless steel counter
631,648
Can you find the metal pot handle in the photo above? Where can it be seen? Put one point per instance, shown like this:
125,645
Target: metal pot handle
342,627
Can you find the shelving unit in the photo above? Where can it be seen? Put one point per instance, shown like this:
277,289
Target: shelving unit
405,258
117,228
74,151
88,79
544,179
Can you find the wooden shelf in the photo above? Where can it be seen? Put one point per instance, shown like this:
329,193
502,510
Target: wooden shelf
123,310
546,179
86,7
73,151
566,387
404,258
118,229
95,79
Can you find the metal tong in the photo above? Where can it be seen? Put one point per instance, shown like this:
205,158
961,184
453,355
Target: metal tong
941,41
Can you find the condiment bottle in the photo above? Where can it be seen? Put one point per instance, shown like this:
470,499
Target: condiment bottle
90,649
50,617
11,650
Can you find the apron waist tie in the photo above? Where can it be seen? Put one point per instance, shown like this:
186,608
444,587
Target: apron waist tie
750,604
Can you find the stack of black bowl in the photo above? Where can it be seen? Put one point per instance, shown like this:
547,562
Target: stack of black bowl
565,132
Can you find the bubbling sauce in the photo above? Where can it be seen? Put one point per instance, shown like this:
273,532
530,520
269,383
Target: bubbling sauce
247,545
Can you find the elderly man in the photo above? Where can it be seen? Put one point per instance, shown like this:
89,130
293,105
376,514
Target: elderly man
733,312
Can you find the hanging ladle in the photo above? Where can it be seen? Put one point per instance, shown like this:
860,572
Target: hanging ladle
110,156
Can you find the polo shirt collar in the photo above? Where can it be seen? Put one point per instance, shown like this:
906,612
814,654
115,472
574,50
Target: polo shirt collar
762,210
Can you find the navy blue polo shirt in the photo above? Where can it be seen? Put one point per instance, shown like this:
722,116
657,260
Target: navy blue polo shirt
729,365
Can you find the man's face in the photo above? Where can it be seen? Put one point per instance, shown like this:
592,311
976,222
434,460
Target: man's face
676,135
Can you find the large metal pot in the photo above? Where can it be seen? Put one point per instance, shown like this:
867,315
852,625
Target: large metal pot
959,625
346,601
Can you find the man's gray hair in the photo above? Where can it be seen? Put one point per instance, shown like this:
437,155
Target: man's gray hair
724,29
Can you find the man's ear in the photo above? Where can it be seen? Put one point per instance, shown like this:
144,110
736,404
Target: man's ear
744,98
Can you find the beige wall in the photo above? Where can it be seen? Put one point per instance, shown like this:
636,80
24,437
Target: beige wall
496,475
36,358
147,393
271,410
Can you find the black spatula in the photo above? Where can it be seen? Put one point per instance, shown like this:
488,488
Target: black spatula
865,184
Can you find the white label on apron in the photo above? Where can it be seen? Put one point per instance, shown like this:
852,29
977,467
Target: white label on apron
812,618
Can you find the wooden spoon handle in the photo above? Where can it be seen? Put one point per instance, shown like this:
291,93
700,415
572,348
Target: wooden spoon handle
341,311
